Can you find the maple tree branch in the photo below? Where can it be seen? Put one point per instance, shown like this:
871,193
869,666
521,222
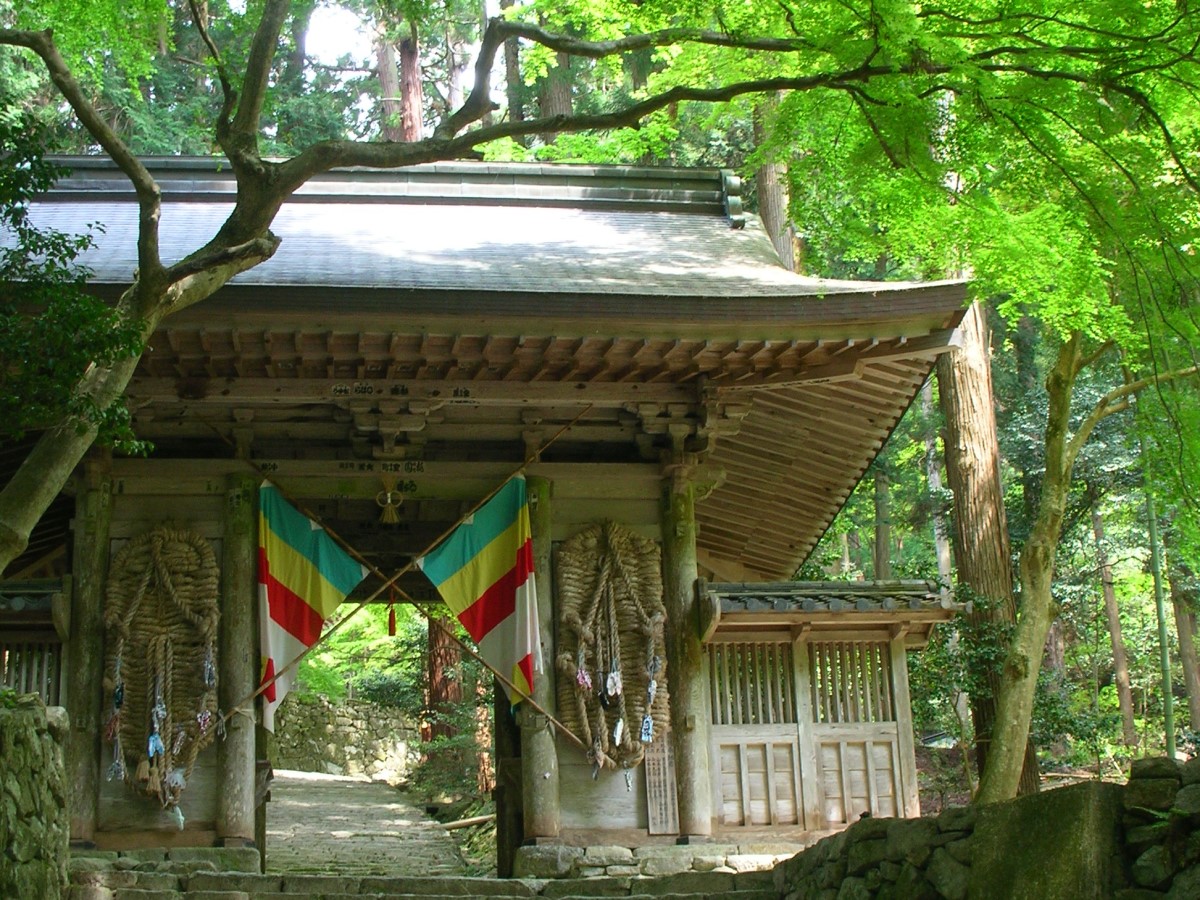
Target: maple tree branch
1118,400
1085,361
257,250
244,128
228,94
665,37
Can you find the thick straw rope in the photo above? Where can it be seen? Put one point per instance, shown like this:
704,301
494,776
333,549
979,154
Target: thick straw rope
161,621
610,588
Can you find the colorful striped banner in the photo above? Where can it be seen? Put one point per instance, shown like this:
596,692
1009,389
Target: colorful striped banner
302,577
484,572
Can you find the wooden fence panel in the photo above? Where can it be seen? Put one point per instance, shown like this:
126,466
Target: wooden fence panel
33,667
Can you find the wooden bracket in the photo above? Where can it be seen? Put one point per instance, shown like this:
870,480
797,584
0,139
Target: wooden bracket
708,608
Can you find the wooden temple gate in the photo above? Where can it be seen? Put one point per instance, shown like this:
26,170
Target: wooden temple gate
421,332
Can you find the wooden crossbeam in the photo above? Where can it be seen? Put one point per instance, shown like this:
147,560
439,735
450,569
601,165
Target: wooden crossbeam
433,392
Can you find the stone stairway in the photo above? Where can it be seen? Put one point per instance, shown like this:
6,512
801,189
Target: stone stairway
336,838
213,875
335,825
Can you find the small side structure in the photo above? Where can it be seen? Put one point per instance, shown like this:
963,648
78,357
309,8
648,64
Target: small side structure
811,722
419,335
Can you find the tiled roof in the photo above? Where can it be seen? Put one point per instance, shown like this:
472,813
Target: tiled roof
461,227
826,610
900,597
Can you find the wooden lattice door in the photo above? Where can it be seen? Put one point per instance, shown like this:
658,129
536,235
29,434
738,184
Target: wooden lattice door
755,738
856,729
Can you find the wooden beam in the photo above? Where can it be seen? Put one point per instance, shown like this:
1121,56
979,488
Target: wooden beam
427,394
351,479
907,795
849,367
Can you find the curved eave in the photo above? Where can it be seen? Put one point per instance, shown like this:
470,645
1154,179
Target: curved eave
792,465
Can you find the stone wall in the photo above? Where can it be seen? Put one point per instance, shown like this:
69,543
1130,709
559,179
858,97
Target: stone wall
34,823
1104,841
350,738
1162,829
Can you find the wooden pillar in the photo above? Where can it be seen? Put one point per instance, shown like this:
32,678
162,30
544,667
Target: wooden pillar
238,665
85,651
812,796
508,794
909,800
690,716
539,756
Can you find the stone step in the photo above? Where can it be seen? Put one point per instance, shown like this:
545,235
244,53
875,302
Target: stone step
95,892
100,879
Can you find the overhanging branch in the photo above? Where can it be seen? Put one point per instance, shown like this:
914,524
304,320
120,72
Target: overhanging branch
1116,401
243,137
206,271
228,94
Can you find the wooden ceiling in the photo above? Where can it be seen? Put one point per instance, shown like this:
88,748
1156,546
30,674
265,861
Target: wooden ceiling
790,424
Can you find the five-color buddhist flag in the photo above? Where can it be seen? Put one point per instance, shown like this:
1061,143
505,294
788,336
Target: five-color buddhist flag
484,572
302,577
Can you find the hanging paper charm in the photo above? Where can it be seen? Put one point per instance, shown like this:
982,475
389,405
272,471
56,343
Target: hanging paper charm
647,734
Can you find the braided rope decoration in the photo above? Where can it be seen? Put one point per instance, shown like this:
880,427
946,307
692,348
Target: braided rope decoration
611,664
160,618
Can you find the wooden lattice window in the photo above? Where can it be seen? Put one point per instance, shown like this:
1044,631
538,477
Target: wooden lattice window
752,683
851,681
32,667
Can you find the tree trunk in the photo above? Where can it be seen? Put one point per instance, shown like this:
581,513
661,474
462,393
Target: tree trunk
1120,660
485,769
941,543
772,195
1185,622
291,77
883,527
1009,751
391,119
445,686
933,478
1185,598
49,465
855,554
512,74
411,89
1160,612
1025,344
981,544
1055,657
555,93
